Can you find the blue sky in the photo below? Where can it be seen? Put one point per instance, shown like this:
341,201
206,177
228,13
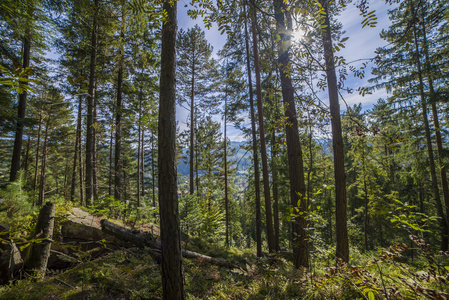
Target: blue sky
361,44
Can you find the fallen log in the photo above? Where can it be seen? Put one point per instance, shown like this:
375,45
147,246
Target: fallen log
146,239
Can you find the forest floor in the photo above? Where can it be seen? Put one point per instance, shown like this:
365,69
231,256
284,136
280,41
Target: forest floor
133,273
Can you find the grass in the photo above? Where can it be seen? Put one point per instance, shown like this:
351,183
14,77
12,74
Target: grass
133,274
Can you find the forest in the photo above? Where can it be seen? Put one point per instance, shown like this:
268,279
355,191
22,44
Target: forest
139,161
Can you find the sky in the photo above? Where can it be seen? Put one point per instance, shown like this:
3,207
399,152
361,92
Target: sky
361,45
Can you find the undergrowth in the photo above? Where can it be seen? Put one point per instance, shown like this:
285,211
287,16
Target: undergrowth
133,274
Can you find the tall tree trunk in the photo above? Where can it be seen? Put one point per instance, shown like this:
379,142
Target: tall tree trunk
139,143
66,175
94,155
254,138
27,157
81,171
36,168
342,251
17,150
435,189
294,152
436,123
172,269
263,145
192,126
275,191
43,166
142,162
225,145
365,190
309,172
118,122
90,136
111,147
153,173
75,155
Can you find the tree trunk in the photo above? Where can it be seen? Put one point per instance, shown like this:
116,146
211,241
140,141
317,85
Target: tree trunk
142,162
146,239
225,145
172,269
192,127
294,152
75,155
40,201
435,190
27,156
254,138
111,147
263,145
153,173
118,123
90,136
81,170
38,255
138,155
66,175
94,155
365,190
337,142
15,161
436,123
36,168
275,191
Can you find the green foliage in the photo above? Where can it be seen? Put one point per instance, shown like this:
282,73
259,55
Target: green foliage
201,217
111,207
15,208
406,216
16,78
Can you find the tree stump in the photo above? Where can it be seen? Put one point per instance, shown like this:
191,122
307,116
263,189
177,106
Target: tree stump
36,262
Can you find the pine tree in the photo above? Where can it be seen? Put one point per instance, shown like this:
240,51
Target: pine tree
172,270
195,67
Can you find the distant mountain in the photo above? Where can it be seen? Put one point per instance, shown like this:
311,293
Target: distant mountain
241,156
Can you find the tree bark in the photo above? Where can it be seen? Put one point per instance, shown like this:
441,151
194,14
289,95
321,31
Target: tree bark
254,138
274,171
36,168
294,152
142,162
90,136
225,145
66,175
192,125
40,201
39,253
118,122
342,251
138,155
111,147
172,270
263,146
94,155
21,109
75,155
27,156
153,173
81,170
